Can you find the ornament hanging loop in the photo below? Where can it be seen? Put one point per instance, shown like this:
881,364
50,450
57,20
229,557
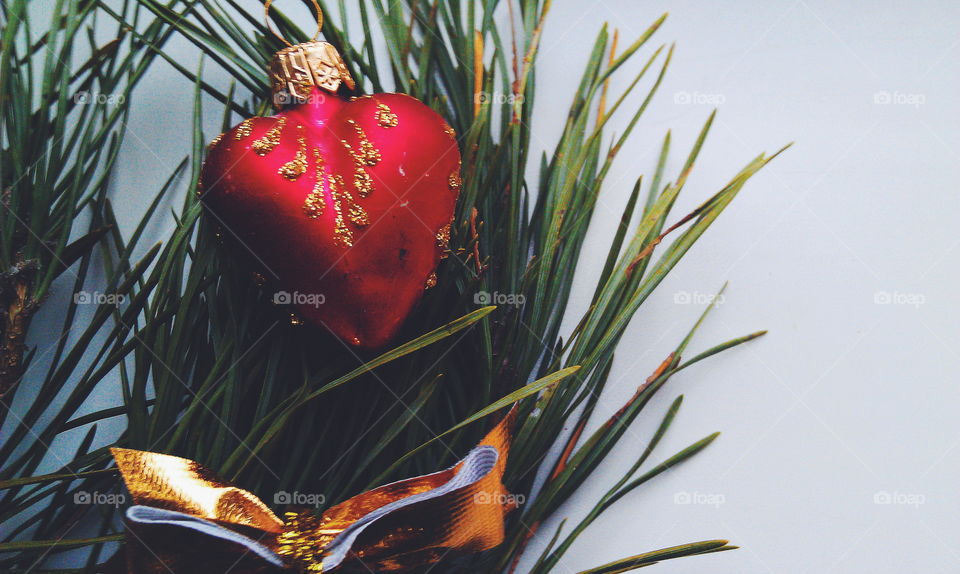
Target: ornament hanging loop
269,23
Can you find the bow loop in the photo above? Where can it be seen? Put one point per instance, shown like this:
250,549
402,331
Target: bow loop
187,521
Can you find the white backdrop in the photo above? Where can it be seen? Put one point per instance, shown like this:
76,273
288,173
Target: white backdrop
840,437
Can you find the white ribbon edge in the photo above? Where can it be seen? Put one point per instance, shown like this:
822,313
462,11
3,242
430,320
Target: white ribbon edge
151,515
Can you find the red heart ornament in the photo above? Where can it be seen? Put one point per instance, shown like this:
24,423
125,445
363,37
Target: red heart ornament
346,202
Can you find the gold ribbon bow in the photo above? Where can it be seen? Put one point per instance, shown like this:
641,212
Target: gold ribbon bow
186,520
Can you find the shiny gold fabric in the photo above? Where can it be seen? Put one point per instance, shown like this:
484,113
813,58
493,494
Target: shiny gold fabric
297,69
174,483
466,520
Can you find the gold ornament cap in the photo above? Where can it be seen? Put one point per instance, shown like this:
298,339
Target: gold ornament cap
297,69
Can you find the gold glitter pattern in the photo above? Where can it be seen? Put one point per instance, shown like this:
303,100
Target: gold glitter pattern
215,141
341,233
362,182
244,129
356,213
367,154
454,182
315,203
364,155
298,165
302,541
271,139
449,131
431,281
443,240
385,117
346,209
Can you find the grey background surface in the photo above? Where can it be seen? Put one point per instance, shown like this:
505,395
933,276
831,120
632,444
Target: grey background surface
840,437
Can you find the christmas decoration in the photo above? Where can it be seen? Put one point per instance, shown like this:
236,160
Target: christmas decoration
345,201
178,360
187,521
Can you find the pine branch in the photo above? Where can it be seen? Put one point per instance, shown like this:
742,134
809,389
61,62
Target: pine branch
210,371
